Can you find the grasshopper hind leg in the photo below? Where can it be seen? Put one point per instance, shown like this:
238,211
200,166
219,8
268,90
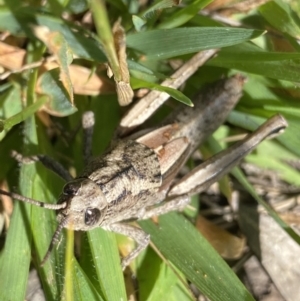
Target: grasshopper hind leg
176,204
142,239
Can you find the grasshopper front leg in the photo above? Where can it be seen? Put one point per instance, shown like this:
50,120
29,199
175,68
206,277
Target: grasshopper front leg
141,238
88,122
47,161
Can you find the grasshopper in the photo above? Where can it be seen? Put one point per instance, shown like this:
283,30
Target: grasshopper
135,178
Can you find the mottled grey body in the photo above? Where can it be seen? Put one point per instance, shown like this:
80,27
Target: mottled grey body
134,175
129,176
134,179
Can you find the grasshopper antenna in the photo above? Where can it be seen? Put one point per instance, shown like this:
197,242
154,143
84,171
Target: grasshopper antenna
54,239
56,234
32,201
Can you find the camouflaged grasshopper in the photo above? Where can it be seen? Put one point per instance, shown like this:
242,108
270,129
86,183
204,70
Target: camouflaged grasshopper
135,178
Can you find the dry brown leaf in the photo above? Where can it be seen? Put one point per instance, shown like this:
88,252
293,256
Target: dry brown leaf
87,83
279,42
7,208
214,5
226,244
279,255
292,218
276,249
83,80
261,286
57,45
45,119
130,287
120,44
124,91
7,202
230,7
11,57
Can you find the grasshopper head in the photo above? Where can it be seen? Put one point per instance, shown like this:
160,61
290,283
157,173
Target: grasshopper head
86,205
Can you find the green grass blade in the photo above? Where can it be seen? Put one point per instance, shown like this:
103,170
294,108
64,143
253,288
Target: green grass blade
184,14
58,97
250,122
280,15
160,282
16,256
83,288
15,259
270,155
107,264
24,114
138,83
167,43
105,34
157,6
179,241
249,58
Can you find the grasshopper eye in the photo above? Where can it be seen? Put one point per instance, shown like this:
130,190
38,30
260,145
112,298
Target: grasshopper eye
71,188
92,216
